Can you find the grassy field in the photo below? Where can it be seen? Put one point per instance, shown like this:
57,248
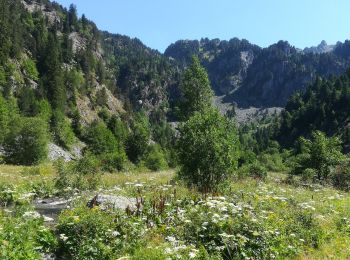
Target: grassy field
250,219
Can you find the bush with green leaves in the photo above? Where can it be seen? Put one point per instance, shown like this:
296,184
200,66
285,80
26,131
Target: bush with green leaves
320,153
30,69
257,170
27,143
208,149
97,234
24,236
112,162
119,129
100,139
62,129
83,174
155,159
340,176
272,161
4,119
138,140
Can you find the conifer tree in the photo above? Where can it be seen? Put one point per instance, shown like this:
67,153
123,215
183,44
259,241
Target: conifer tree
53,75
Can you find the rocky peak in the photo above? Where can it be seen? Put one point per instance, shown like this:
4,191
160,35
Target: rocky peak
323,47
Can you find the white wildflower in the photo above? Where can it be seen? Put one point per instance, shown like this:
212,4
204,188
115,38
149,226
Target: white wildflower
115,233
63,237
192,254
170,238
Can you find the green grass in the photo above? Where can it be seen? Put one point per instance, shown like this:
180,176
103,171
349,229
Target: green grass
311,222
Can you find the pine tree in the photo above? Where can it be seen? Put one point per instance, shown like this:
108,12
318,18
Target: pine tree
53,75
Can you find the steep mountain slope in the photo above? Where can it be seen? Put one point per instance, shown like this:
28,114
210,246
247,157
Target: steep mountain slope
261,77
145,77
101,70
74,84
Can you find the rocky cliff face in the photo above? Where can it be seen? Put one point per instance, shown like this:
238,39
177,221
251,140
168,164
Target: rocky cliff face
323,47
262,77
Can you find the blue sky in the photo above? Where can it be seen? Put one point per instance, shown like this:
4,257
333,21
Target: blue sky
158,23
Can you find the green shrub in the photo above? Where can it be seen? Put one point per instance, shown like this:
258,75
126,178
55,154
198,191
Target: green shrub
137,141
340,177
96,234
27,142
29,241
257,170
309,175
319,153
62,130
83,174
155,159
208,149
87,173
119,129
7,193
112,162
100,139
4,118
272,162
30,69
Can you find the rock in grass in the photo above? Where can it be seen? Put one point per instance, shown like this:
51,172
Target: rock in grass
113,201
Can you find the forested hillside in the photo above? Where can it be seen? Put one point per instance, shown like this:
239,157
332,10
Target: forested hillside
324,106
59,69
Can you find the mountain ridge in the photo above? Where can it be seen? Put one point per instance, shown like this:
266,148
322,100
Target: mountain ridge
269,75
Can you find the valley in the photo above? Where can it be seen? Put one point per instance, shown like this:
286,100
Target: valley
212,149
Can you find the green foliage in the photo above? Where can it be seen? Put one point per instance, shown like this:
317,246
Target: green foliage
137,142
62,130
155,159
53,77
196,90
27,142
102,143
119,129
83,174
30,69
27,101
257,170
324,106
320,154
81,228
24,235
74,80
100,139
4,119
101,97
208,149
112,162
2,77
340,176
43,110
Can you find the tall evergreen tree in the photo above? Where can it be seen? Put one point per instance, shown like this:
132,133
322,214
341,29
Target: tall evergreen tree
53,74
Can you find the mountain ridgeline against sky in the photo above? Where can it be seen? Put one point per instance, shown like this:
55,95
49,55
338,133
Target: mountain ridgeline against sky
129,75
262,77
